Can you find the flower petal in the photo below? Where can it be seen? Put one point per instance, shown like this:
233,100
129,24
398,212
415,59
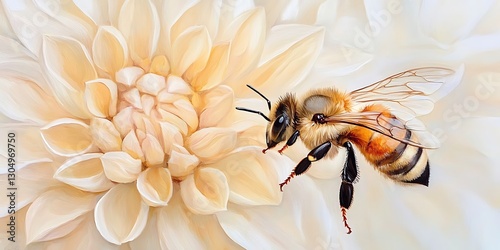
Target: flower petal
178,228
39,107
153,152
215,70
289,64
206,191
155,186
120,167
218,103
132,146
149,238
183,109
101,96
109,50
177,85
252,176
181,163
67,137
300,221
105,135
170,135
50,218
151,83
191,51
210,143
140,25
160,66
122,201
247,34
69,67
129,75
84,172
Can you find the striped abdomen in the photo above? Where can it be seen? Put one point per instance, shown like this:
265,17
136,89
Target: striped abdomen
397,160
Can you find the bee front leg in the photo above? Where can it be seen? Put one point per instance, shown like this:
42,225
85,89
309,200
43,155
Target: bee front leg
349,176
314,155
290,141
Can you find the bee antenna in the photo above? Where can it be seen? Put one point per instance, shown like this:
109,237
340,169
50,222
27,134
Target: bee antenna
261,95
255,112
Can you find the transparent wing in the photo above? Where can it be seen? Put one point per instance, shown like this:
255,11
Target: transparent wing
388,125
409,91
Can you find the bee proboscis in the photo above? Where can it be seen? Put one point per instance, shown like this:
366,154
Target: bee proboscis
375,118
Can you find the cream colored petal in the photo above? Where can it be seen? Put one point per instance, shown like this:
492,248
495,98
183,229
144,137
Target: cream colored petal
177,85
174,120
215,70
67,137
129,75
149,238
155,186
292,63
252,176
29,143
101,96
34,177
147,102
160,66
109,50
170,135
121,167
191,51
123,121
84,172
302,219
151,83
132,146
184,110
69,66
153,152
104,135
140,25
121,215
206,191
181,163
204,13
39,108
246,33
219,101
56,213
211,143
179,228
133,97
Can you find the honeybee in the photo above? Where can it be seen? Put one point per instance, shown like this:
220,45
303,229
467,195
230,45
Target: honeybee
376,119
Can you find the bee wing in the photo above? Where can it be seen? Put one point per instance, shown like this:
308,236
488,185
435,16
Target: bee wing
389,126
409,91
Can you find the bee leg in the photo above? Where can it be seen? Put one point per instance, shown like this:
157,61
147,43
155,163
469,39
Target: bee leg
290,141
316,154
349,176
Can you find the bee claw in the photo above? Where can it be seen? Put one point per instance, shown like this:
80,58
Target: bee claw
282,149
287,180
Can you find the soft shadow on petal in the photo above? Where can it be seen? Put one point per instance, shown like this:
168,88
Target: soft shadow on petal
211,143
183,109
181,163
25,101
84,172
290,66
300,221
153,152
101,96
191,51
155,186
132,146
109,50
458,21
151,83
121,215
149,238
129,75
34,177
180,229
120,167
206,191
253,177
170,135
104,135
218,103
215,70
140,25
69,66
67,137
56,213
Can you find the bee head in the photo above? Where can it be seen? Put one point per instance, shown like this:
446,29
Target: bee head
281,122
282,117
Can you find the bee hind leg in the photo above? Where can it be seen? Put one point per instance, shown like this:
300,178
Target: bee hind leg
349,176
314,155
